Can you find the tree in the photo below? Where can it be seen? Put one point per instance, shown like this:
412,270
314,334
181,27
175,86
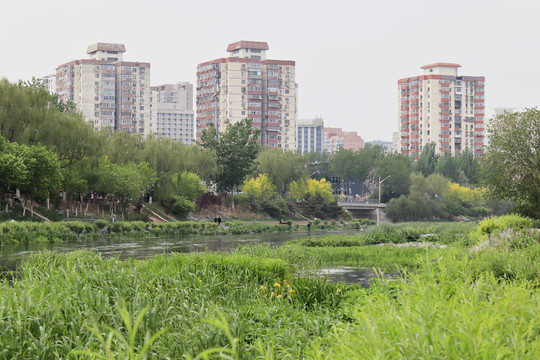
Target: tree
427,161
343,164
469,165
366,160
189,185
318,165
260,187
303,189
398,167
128,182
13,170
511,163
448,167
44,173
282,167
236,150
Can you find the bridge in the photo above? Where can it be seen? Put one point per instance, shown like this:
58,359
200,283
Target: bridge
366,210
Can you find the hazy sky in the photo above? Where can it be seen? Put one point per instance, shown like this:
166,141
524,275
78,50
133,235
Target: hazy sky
349,54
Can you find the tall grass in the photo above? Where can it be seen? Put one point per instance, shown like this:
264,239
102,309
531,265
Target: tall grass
456,303
454,307
66,302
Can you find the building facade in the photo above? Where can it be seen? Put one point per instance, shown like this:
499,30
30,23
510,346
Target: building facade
49,83
336,138
442,107
172,111
310,135
247,85
109,92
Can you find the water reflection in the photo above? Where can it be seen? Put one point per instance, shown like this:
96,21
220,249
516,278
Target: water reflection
141,248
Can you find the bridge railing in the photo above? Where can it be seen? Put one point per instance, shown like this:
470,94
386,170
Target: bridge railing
353,200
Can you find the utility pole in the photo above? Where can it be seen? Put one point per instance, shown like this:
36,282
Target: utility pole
378,205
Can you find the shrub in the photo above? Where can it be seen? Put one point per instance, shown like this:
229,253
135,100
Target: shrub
181,206
276,207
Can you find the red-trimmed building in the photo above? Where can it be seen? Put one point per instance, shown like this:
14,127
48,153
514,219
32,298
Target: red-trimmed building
442,107
247,85
108,91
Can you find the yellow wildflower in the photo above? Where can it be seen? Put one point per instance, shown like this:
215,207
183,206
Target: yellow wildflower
338,290
277,285
291,291
279,296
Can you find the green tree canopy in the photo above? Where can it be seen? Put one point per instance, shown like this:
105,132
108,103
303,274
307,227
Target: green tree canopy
427,161
399,168
281,167
236,150
511,163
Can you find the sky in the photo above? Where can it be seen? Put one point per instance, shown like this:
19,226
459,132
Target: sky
349,54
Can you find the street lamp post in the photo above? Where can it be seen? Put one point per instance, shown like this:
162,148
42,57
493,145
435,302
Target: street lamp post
378,207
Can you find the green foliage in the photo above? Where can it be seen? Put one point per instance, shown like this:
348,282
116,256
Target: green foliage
427,161
29,115
448,166
236,150
399,168
127,182
511,162
434,198
317,206
26,232
282,167
181,206
276,207
486,317
498,223
360,223
32,169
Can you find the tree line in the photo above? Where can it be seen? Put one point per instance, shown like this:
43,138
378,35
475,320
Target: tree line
46,146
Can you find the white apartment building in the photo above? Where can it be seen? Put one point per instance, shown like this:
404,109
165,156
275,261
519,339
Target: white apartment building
442,107
248,85
172,112
49,83
109,92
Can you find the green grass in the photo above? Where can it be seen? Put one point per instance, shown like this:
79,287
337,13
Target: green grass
62,301
450,303
14,232
442,311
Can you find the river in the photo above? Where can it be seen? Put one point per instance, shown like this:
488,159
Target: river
140,248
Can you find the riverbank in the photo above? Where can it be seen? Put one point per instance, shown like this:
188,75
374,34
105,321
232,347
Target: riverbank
255,302
14,232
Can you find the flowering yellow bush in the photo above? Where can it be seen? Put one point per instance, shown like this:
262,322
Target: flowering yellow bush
300,189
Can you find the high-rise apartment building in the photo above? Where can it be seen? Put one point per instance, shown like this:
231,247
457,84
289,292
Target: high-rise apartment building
442,107
247,85
310,135
48,82
336,138
172,111
107,90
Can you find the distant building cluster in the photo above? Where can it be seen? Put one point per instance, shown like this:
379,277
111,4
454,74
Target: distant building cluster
113,93
439,106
